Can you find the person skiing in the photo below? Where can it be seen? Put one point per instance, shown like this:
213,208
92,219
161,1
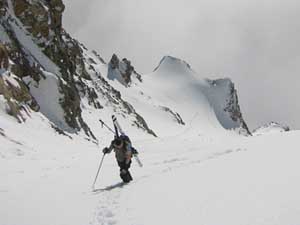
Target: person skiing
123,152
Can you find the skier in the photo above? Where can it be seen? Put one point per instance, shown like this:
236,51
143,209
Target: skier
123,152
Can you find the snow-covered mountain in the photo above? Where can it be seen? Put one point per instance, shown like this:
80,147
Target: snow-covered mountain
176,94
197,167
51,64
67,83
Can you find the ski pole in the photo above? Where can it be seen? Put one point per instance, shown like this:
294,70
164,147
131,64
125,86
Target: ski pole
104,124
100,165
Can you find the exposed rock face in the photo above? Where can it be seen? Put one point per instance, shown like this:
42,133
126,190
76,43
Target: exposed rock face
42,18
62,54
3,57
15,93
114,62
227,107
124,70
17,96
233,108
48,65
176,115
61,49
114,99
40,49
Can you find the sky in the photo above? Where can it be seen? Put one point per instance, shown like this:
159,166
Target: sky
253,42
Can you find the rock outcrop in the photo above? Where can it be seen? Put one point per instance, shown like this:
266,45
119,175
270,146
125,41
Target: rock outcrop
38,43
53,73
272,127
122,70
227,106
46,59
3,57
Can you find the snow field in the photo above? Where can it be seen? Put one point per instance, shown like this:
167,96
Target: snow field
190,178
255,184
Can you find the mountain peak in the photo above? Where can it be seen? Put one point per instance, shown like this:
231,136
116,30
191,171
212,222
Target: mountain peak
172,63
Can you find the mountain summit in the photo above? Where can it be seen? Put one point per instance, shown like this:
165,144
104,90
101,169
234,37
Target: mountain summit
172,63
191,93
53,74
57,99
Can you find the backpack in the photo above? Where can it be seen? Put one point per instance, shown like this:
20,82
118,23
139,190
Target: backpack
126,139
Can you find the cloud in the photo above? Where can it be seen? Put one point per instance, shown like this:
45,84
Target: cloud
254,42
76,15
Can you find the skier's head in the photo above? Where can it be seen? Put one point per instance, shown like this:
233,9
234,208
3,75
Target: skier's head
118,143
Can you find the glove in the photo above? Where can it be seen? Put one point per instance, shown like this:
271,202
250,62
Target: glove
105,150
134,151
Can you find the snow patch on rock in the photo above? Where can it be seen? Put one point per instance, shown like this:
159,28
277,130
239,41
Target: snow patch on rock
48,96
270,128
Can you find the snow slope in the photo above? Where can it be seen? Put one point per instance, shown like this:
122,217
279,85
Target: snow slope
47,93
197,169
194,178
194,172
173,93
240,185
178,96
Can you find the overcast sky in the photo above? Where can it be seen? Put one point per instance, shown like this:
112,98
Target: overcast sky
254,42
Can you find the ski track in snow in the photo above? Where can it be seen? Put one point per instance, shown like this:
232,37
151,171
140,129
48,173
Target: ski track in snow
55,169
60,175
109,206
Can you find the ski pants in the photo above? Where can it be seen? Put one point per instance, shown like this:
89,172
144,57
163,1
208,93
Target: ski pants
124,165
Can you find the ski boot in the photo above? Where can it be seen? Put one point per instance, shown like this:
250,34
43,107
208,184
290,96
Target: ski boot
125,176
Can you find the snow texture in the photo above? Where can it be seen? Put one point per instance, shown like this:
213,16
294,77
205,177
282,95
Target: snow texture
197,173
177,95
47,94
190,178
270,128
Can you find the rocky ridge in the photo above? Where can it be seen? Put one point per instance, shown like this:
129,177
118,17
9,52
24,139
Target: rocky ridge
230,104
53,73
39,47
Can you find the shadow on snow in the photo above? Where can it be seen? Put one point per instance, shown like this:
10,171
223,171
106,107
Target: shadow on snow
111,187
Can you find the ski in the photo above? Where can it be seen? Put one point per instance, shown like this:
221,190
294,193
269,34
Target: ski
138,160
114,119
117,125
